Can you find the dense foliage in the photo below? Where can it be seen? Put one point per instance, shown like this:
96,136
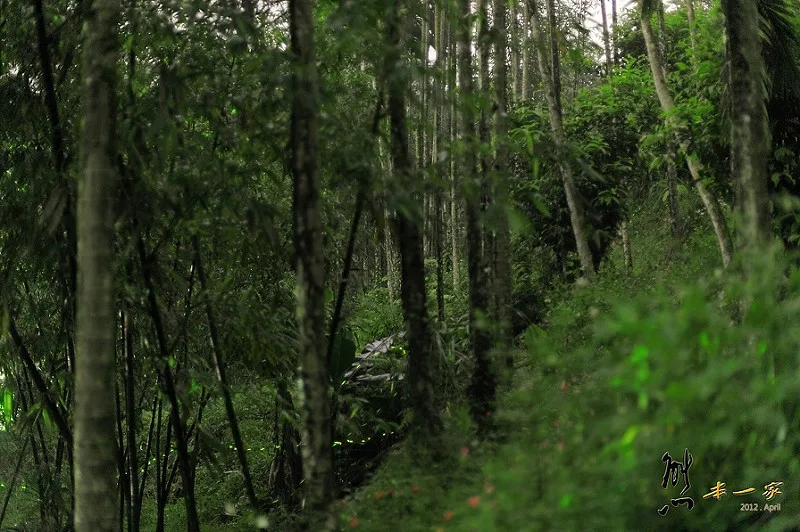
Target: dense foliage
664,350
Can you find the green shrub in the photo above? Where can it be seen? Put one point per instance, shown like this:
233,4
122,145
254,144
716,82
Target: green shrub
665,372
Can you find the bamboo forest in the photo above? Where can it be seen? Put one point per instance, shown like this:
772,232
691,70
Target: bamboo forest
399,265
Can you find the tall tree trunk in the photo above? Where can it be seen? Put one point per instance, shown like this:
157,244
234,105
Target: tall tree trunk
627,258
614,30
611,61
662,91
148,264
555,64
438,147
552,86
527,60
454,174
750,136
671,152
161,498
672,188
130,413
95,441
606,39
517,52
692,28
428,423
422,118
484,48
310,271
484,382
502,240
219,369
392,268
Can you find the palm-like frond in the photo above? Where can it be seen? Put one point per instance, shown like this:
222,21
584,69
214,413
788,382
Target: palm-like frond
780,29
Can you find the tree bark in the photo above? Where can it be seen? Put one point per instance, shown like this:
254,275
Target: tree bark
427,421
517,52
454,177
310,271
606,38
750,136
692,27
502,240
130,414
95,442
527,61
672,188
662,91
559,138
555,64
438,147
422,118
484,383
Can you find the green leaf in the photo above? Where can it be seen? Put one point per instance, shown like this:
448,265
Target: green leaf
532,335
639,354
540,206
517,222
565,500
629,436
7,405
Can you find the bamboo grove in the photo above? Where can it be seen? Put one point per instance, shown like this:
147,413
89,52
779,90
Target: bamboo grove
198,197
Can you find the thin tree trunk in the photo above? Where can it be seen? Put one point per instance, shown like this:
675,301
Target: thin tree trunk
483,47
310,272
626,244
517,52
611,61
438,146
606,39
95,442
14,476
123,481
147,449
50,402
422,136
692,28
219,369
286,470
428,424
559,138
57,139
555,64
614,30
502,240
454,177
484,383
671,152
392,277
672,188
709,201
527,60
750,136
161,459
130,409
181,441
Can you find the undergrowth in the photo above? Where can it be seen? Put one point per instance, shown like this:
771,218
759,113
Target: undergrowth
663,358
